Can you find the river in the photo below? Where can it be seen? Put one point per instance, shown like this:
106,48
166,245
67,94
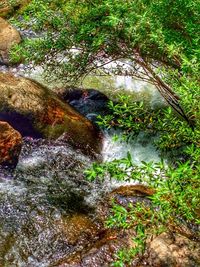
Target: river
48,186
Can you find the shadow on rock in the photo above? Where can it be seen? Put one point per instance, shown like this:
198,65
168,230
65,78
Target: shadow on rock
36,111
89,102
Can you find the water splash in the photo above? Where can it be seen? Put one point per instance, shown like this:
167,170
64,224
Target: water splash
141,148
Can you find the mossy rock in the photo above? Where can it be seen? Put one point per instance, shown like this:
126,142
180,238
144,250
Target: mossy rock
8,37
9,7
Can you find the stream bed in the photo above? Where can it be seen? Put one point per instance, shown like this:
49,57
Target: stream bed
46,198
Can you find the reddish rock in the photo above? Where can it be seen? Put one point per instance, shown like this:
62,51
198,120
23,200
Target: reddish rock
10,144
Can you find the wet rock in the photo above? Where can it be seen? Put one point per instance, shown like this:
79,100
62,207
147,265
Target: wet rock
10,144
125,195
107,242
170,249
8,37
132,190
36,111
100,252
131,194
88,102
80,230
103,252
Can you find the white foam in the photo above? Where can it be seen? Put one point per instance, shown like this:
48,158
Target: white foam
141,148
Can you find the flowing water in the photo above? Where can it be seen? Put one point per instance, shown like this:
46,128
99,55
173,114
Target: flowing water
48,186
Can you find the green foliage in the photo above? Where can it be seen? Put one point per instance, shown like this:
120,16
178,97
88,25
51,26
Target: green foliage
124,256
175,201
177,188
127,115
176,184
162,31
78,37
132,117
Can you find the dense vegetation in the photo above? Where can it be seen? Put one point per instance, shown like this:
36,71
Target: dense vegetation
153,37
174,204
158,41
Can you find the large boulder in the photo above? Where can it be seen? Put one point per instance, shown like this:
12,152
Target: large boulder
36,111
8,37
10,144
